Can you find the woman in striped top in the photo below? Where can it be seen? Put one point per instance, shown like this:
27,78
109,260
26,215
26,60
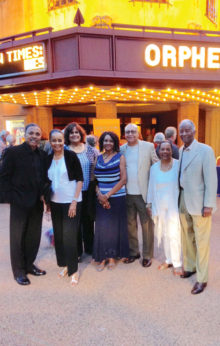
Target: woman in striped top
111,238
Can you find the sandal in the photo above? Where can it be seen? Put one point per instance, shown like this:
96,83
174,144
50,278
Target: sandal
111,265
101,266
63,272
177,271
74,279
164,266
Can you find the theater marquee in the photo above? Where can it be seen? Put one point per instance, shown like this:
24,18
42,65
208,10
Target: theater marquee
195,57
22,60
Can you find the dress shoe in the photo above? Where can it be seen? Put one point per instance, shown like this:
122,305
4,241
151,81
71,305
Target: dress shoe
146,262
22,280
36,271
131,259
187,274
199,287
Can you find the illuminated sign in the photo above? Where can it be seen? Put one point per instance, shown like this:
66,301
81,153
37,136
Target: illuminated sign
22,60
195,57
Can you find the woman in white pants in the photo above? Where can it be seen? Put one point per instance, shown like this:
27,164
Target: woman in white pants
162,199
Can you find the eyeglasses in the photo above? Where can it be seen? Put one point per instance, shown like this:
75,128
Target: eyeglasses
132,132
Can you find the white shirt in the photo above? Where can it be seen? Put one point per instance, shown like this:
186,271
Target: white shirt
131,156
63,190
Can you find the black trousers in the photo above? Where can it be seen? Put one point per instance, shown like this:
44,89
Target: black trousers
65,235
25,234
86,228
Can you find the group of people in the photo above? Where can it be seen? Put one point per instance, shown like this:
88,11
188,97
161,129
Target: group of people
173,198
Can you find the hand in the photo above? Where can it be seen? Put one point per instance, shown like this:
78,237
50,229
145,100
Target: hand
102,198
206,212
72,209
106,205
149,211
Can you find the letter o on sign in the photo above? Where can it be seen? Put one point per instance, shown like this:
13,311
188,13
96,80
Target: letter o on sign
152,55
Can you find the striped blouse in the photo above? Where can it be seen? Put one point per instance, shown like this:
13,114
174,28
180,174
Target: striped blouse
108,174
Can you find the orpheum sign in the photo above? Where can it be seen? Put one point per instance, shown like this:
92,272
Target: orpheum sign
195,57
22,60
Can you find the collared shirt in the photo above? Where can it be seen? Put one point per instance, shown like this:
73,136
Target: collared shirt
184,159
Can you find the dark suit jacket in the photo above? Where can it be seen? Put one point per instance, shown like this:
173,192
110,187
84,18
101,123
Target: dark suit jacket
18,182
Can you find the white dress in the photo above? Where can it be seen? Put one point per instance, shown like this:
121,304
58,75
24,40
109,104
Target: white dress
163,193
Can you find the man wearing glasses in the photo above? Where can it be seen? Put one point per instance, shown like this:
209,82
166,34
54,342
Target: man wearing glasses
139,155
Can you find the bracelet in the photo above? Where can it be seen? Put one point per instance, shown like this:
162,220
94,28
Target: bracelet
107,195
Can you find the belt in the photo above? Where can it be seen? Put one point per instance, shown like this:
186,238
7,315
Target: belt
181,188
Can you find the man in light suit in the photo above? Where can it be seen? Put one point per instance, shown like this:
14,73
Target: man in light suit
198,186
139,155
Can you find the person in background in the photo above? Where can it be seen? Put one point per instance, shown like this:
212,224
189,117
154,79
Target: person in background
10,140
139,155
158,138
197,202
162,199
3,144
75,137
170,135
24,174
111,237
65,173
92,141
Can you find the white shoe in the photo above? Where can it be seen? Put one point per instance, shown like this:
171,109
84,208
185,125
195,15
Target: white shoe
63,272
74,279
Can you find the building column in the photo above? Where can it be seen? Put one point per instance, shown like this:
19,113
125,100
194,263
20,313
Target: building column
212,129
41,116
188,111
106,110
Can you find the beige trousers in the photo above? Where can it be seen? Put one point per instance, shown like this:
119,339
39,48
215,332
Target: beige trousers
196,231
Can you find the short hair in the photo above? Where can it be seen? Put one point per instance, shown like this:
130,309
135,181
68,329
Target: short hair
55,131
30,125
159,137
113,136
134,125
188,122
170,131
91,140
68,129
10,139
165,141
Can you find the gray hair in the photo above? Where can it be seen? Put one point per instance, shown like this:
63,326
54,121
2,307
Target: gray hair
133,125
170,132
10,139
188,122
3,133
159,137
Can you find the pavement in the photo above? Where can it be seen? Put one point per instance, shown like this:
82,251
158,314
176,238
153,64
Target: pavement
129,306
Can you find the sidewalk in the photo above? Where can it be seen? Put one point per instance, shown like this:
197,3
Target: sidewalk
129,306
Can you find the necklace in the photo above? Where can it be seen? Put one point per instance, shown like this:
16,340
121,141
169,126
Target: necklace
107,157
166,167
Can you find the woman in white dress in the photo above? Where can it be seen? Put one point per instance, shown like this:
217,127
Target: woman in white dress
163,193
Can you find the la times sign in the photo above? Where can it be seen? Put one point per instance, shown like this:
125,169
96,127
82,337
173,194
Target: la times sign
182,56
22,60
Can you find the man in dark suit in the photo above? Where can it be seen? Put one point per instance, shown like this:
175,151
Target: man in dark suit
23,177
170,135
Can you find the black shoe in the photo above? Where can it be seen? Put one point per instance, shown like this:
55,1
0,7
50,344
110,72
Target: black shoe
187,274
131,259
146,262
36,271
22,280
199,287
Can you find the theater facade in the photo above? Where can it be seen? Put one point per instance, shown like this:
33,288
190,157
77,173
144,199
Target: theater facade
153,76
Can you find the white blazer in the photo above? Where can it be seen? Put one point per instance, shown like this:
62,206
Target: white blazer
146,157
199,178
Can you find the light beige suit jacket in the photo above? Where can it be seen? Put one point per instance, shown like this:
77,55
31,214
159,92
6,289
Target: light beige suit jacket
199,178
146,157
